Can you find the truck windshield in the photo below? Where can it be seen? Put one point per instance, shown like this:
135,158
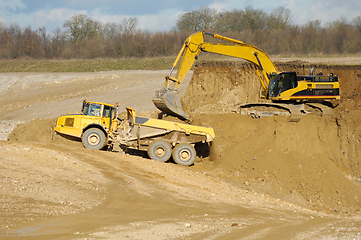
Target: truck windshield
92,109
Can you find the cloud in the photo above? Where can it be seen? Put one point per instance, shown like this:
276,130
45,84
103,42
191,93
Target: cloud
162,21
10,11
218,6
8,7
326,11
53,18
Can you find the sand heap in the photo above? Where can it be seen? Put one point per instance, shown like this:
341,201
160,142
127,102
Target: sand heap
314,163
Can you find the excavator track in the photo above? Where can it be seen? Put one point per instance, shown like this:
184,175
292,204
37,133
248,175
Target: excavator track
326,110
294,111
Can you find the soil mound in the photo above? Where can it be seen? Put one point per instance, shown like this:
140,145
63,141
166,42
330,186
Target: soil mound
38,181
297,162
41,131
313,163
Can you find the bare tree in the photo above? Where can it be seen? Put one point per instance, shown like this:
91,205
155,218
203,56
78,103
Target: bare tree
17,46
203,18
357,23
58,43
337,33
128,25
81,27
273,32
5,42
280,18
111,30
312,37
240,20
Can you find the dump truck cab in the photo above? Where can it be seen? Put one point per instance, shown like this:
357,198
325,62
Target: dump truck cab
100,113
93,115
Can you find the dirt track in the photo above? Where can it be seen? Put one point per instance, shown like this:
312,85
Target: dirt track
265,178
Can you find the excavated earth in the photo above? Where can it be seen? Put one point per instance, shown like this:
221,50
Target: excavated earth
265,178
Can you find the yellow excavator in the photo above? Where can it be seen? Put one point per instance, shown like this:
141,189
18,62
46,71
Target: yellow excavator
282,88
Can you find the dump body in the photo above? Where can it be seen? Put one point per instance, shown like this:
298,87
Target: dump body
141,131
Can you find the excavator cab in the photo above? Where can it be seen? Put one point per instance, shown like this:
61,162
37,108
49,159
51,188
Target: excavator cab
282,82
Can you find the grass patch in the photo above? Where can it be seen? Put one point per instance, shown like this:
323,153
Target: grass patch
158,63
80,65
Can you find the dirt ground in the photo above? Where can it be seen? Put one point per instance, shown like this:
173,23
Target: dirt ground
264,178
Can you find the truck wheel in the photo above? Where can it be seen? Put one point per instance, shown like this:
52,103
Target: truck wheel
94,138
184,154
159,151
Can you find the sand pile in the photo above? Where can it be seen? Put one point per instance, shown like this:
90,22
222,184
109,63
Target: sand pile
297,162
313,163
42,131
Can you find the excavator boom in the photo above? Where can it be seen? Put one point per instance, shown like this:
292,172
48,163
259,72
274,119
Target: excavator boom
168,100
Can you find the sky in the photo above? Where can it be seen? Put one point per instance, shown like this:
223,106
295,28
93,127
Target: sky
161,15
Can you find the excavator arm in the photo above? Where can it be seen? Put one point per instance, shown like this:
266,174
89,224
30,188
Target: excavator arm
168,99
195,44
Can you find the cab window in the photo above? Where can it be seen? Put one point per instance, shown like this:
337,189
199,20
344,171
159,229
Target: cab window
272,88
107,111
286,82
92,109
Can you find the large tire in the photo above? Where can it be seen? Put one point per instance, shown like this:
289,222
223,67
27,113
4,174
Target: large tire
159,151
184,154
94,138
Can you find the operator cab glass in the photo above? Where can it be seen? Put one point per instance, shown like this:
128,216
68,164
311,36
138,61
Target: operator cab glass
282,82
97,110
272,87
107,111
92,109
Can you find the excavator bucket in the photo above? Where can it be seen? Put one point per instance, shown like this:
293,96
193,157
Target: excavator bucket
168,101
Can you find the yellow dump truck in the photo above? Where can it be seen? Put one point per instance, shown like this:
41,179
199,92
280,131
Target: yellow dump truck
98,126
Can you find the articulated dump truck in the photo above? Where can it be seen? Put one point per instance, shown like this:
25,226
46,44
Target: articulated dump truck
99,127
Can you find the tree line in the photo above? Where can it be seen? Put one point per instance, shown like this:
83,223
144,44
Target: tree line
272,32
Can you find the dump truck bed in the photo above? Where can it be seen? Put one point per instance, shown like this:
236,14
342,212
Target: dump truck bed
170,126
